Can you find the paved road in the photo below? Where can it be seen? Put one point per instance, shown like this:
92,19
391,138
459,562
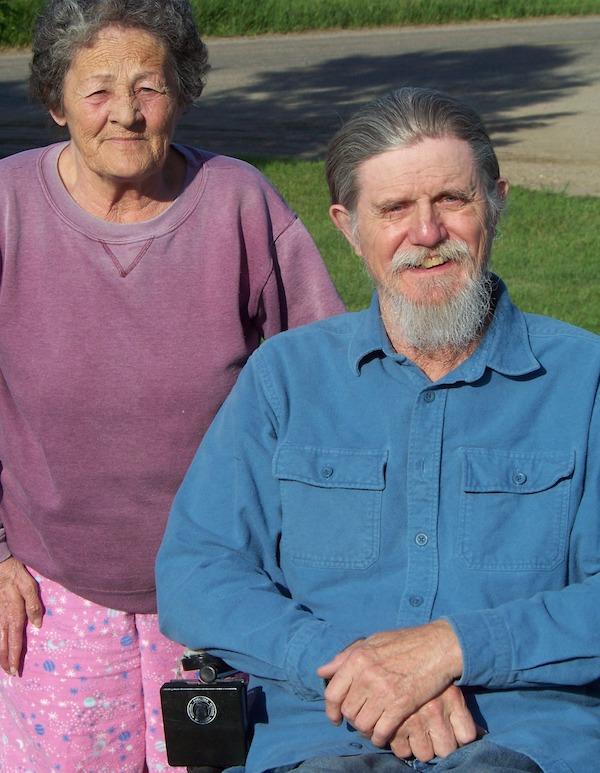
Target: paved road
536,82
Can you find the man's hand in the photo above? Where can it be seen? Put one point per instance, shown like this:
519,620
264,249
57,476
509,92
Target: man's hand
437,729
379,682
19,602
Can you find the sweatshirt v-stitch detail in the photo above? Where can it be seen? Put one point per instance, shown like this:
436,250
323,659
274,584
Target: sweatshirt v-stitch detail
125,271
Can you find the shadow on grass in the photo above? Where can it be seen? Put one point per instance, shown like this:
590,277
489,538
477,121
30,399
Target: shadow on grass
297,110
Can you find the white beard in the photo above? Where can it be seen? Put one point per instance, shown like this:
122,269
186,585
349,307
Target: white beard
452,324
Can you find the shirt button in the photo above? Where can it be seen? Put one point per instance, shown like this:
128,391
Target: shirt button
429,397
415,601
355,745
421,539
519,478
327,471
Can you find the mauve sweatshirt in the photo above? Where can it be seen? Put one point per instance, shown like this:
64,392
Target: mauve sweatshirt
118,344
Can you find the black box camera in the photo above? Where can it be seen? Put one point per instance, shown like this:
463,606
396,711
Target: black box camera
205,723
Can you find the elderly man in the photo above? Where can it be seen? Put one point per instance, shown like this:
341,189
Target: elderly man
393,523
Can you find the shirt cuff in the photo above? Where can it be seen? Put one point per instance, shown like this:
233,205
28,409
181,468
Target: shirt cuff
486,646
313,646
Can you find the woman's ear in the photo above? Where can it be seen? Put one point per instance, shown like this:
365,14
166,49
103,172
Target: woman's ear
58,117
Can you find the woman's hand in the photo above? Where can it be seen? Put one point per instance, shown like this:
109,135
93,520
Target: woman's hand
19,602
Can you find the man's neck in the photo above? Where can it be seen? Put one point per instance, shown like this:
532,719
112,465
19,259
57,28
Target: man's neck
435,365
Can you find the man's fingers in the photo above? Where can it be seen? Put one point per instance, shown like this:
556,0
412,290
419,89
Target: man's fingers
443,739
412,739
421,746
464,728
335,694
365,717
401,747
438,728
327,670
457,717
386,728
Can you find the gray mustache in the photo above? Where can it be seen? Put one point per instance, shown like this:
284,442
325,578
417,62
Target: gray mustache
452,250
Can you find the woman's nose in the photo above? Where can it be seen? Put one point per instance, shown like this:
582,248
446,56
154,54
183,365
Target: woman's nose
125,110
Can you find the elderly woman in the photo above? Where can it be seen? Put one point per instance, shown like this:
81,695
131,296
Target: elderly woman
137,277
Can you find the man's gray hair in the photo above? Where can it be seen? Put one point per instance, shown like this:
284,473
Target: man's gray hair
402,118
65,26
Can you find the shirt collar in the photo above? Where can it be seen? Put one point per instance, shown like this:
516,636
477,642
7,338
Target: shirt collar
504,347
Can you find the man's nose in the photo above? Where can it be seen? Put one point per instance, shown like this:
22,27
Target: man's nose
427,228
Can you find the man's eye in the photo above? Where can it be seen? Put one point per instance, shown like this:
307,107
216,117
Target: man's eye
453,200
394,209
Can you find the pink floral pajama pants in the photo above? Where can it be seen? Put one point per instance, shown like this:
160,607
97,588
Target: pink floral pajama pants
87,700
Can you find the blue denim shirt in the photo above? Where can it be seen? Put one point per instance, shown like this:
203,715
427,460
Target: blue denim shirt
339,492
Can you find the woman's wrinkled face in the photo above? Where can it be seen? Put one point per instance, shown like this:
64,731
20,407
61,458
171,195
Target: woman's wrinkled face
121,104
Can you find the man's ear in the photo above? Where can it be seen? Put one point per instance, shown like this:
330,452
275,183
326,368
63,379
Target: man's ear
58,117
502,187
342,220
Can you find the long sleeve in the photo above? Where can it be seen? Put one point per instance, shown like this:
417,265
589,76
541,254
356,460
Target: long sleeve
299,289
551,638
221,543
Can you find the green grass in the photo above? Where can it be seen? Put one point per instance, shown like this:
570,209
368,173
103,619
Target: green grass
241,17
251,17
547,251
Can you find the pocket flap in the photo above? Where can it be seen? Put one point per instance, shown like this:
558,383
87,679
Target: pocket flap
489,470
331,467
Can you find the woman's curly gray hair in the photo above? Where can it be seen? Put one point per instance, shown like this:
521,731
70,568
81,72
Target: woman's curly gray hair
65,26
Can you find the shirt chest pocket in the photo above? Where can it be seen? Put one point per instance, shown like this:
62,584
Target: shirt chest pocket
331,505
514,509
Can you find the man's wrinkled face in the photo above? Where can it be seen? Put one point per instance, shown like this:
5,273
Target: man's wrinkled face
421,220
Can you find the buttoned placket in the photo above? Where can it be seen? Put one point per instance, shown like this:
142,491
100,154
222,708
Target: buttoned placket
423,489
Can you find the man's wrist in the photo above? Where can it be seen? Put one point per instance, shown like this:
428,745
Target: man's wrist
450,648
